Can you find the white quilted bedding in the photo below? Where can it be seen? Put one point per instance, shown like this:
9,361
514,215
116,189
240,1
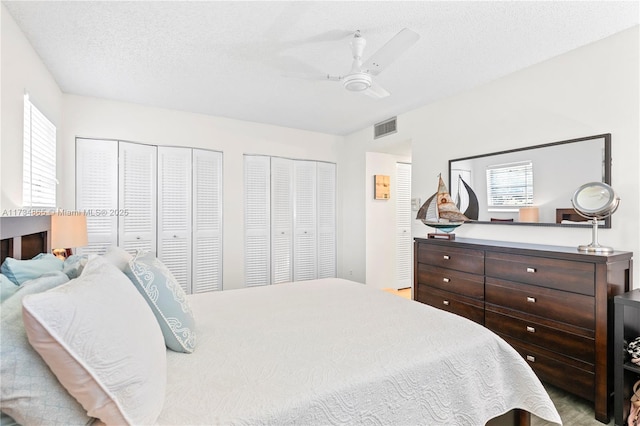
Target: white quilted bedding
334,352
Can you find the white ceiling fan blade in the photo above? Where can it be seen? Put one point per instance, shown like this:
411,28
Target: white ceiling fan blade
390,51
376,91
332,35
295,68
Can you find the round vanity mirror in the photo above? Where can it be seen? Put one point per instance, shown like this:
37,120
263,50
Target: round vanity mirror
595,201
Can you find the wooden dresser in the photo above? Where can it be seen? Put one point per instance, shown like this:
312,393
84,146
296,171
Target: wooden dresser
552,304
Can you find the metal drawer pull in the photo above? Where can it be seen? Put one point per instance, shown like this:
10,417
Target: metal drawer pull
446,257
531,329
531,270
445,302
531,358
446,280
531,299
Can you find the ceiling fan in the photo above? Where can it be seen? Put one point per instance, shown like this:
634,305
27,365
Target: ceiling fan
360,78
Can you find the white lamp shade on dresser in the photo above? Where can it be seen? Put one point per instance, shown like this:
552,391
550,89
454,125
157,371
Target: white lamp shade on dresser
68,230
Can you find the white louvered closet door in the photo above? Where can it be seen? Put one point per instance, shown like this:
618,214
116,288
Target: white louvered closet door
305,252
326,184
281,220
97,192
174,212
257,220
207,221
137,195
404,259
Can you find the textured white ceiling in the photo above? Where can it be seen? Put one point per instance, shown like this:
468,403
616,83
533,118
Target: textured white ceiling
244,60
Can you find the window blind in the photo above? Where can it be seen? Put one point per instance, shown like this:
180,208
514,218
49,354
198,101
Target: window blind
39,159
510,185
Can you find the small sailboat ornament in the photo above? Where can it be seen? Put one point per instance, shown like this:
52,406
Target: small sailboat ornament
441,213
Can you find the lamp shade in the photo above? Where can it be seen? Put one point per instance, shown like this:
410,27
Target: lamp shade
528,214
68,231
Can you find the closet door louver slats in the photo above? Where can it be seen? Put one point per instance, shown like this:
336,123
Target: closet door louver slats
304,223
290,220
326,183
257,220
404,257
182,220
174,212
97,192
281,220
137,191
207,221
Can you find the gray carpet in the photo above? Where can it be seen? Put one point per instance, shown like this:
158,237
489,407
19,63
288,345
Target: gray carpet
574,411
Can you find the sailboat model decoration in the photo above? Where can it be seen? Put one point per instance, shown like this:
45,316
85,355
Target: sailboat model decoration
472,211
441,213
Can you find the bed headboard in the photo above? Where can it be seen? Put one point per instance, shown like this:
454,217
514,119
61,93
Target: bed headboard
24,237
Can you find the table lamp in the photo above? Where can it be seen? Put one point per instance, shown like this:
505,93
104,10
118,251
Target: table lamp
529,214
67,231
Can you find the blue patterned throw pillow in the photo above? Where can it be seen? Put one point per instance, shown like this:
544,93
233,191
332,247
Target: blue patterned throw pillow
166,298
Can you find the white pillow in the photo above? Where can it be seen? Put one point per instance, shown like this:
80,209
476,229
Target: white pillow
118,256
101,340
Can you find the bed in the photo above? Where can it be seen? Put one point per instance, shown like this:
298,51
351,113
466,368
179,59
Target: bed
327,351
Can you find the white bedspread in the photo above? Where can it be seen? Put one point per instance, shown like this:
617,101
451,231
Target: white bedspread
337,352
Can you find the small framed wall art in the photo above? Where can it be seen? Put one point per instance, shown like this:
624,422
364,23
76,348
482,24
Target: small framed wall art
382,187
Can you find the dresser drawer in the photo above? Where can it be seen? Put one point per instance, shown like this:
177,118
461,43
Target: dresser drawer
570,308
563,373
577,277
460,259
556,340
464,283
451,302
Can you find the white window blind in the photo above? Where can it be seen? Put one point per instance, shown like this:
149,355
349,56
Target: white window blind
39,159
510,185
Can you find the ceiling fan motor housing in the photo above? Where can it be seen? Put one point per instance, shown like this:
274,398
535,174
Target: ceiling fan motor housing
357,82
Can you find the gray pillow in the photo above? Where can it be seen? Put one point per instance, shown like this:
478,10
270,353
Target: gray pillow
166,298
30,393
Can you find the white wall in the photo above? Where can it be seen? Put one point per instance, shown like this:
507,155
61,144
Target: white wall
22,70
99,118
77,116
591,90
380,220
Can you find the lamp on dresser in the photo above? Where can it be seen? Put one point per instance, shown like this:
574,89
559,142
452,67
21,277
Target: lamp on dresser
68,231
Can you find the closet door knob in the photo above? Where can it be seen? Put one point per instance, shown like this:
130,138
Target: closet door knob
445,302
531,329
531,358
446,257
531,270
446,280
531,299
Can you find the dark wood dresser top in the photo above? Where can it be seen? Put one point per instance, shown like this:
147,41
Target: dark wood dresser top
569,253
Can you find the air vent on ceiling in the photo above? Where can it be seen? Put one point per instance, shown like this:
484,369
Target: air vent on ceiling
385,128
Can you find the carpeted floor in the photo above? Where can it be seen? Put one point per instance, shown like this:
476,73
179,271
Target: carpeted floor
574,411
